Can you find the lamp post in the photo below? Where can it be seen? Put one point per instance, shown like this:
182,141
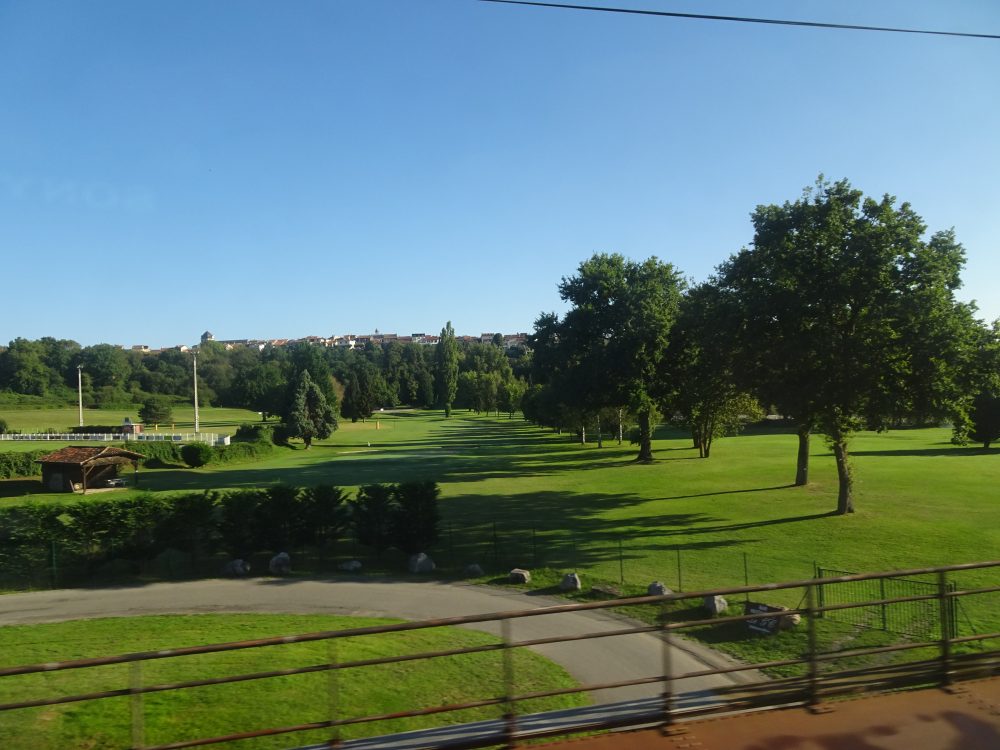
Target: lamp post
79,390
196,423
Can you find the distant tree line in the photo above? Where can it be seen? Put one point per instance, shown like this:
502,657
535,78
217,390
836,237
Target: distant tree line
354,383
840,316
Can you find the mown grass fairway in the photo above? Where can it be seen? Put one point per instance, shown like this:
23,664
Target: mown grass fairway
515,494
209,711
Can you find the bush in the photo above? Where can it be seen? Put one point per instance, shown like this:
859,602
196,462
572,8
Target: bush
280,435
3,427
404,516
415,518
128,532
14,465
254,433
372,511
156,452
237,452
197,454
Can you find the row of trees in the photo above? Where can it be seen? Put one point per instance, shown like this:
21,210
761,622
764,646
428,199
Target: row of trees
238,523
355,383
840,315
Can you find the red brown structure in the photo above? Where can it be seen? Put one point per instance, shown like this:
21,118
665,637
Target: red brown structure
80,467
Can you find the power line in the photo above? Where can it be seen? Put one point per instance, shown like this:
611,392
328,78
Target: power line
741,19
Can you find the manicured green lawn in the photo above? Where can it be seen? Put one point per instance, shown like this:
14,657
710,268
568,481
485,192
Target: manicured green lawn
211,711
210,419
515,494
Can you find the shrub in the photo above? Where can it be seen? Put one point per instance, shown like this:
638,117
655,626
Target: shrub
254,433
415,517
236,452
197,454
14,465
372,512
404,516
280,435
156,452
3,427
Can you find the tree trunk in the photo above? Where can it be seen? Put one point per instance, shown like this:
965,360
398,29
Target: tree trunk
645,438
845,499
802,464
600,437
621,428
583,434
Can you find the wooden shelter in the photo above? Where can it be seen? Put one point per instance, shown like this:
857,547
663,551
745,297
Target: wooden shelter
80,467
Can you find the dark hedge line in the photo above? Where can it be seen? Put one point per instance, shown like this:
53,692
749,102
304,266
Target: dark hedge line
88,535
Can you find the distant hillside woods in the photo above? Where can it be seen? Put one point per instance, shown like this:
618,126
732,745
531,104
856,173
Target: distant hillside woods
359,380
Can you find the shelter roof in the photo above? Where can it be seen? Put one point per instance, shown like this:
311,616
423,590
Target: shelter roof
80,455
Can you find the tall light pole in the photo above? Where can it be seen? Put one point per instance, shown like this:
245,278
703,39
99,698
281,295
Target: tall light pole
79,390
196,423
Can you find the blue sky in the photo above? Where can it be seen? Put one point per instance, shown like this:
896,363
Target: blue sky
276,169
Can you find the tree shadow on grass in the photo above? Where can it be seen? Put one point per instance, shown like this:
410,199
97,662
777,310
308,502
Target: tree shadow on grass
954,452
720,528
21,487
726,492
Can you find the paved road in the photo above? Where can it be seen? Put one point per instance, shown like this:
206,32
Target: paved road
593,661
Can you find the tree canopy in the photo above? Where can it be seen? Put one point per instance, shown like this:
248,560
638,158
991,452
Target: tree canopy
840,299
607,349
309,414
446,357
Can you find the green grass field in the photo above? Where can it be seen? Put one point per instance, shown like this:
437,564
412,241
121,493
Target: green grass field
210,419
920,500
211,711
515,494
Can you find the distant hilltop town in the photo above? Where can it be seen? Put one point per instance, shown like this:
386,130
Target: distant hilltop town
350,341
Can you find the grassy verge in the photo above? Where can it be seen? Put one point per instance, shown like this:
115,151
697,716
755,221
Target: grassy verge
176,715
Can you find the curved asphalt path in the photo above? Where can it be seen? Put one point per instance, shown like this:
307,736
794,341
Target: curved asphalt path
611,659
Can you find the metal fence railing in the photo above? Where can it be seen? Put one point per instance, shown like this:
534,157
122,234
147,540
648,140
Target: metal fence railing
821,677
211,438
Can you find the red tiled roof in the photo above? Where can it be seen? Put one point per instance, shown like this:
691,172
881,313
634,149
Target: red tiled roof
78,454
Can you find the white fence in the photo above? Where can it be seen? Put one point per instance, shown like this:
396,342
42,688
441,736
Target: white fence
146,437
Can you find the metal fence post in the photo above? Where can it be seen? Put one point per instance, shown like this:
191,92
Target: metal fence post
881,595
680,583
746,575
668,674
510,715
621,563
814,697
135,705
944,609
333,688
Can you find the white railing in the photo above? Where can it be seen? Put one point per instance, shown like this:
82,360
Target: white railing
117,437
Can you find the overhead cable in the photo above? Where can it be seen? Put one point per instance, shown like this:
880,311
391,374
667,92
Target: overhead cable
742,19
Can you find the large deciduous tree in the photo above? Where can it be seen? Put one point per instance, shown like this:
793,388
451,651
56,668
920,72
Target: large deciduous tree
309,414
840,295
610,344
702,390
